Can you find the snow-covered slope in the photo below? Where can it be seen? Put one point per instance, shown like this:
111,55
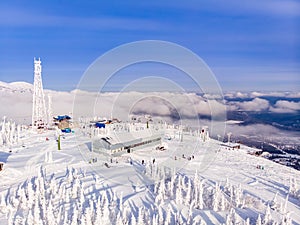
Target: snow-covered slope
40,184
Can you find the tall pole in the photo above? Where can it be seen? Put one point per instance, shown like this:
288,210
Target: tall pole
50,119
58,142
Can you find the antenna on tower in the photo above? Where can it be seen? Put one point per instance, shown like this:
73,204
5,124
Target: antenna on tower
229,134
38,107
50,119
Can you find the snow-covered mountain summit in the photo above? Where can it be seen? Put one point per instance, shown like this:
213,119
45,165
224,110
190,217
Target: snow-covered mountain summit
16,87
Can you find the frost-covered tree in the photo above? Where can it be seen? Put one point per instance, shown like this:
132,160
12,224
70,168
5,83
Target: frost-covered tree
294,188
66,218
286,219
2,203
190,214
189,192
162,189
81,195
88,215
61,213
43,206
106,215
52,186
141,219
10,215
293,185
172,186
202,222
18,132
30,219
12,133
169,217
232,217
92,209
18,220
158,199
50,218
22,197
216,198
68,174
284,209
121,202
160,215
258,221
237,195
179,195
274,203
98,211
268,216
155,219
247,221
75,188
223,202
119,220
199,195
1,139
75,216
228,220
133,220
37,213
180,219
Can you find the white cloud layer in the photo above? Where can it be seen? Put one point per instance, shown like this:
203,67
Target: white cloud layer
283,106
16,102
256,94
257,104
262,132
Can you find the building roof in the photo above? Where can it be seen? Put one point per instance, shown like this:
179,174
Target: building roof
59,118
123,139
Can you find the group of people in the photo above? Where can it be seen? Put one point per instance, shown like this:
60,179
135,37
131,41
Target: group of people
143,161
260,167
111,160
153,160
184,157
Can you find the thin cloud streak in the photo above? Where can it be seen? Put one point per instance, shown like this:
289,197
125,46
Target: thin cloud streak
21,18
289,8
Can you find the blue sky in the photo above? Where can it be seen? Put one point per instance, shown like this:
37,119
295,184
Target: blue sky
249,45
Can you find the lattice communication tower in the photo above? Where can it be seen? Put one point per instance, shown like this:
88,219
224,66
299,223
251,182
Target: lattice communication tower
39,116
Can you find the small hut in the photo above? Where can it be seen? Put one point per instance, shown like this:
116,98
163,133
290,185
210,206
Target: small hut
63,122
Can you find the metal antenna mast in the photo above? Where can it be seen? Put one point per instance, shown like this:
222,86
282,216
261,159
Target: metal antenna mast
39,115
50,119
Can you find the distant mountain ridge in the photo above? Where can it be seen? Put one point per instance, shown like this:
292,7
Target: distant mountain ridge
16,86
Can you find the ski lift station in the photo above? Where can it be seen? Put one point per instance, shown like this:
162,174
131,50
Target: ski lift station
117,143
